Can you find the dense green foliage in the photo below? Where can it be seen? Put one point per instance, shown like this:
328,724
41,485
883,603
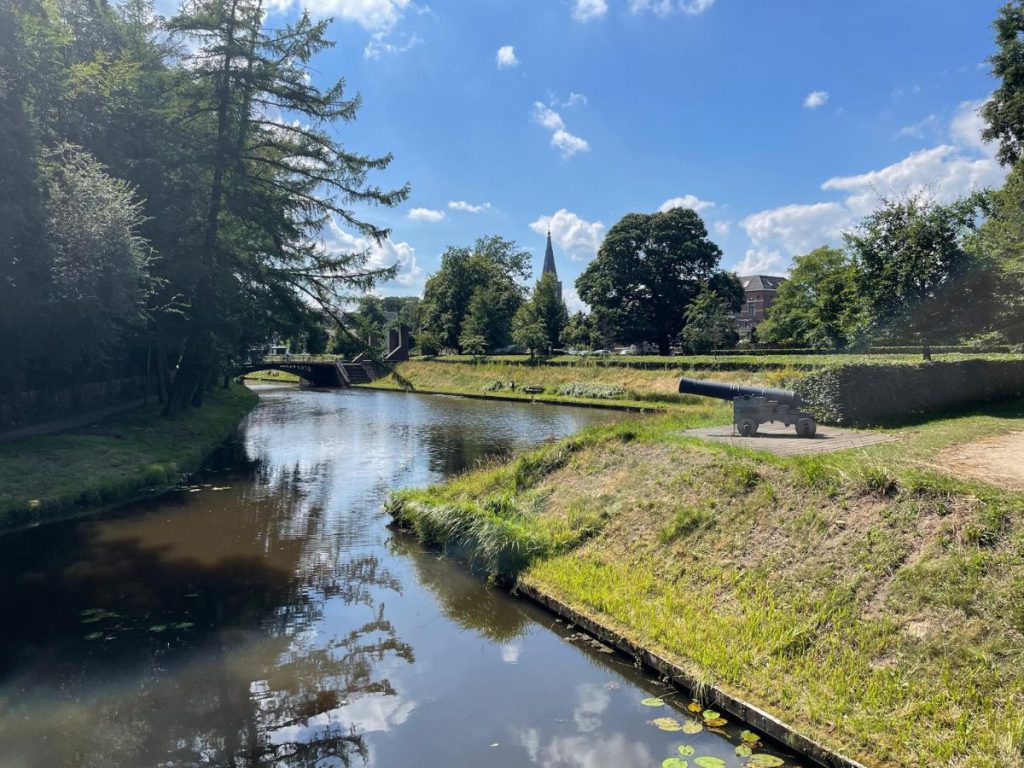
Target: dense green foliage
469,303
648,269
1004,111
708,324
164,190
878,393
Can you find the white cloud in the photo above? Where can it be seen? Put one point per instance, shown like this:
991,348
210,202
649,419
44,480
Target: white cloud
761,261
379,256
462,205
426,214
796,229
816,99
967,126
572,299
576,236
664,7
686,201
506,57
943,171
588,10
566,143
574,99
917,130
380,44
370,14
722,228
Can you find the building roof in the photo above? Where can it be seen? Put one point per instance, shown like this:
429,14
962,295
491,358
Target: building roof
549,259
761,282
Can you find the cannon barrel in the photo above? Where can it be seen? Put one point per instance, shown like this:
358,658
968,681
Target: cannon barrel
732,391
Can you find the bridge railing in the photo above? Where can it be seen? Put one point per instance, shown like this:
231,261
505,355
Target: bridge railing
300,359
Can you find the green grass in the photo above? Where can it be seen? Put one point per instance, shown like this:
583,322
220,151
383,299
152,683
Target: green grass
53,476
591,385
868,597
273,376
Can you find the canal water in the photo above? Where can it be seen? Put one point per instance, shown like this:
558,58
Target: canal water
266,615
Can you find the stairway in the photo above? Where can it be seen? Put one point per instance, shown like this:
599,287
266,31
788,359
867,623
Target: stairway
355,373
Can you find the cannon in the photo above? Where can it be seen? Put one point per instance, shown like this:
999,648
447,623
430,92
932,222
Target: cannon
753,406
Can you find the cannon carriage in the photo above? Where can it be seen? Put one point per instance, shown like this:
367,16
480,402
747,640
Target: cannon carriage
754,406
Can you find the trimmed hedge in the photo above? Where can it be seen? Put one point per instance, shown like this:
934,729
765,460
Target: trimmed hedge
879,393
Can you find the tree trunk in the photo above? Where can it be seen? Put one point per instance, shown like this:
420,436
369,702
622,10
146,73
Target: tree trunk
664,348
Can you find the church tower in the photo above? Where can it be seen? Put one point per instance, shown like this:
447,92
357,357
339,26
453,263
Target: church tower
549,263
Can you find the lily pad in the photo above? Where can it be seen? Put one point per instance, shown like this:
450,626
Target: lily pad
744,751
674,762
685,750
710,714
762,760
749,737
707,761
652,701
718,722
692,726
667,724
694,707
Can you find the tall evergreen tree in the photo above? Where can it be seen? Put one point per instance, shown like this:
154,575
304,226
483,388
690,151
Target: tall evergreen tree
274,177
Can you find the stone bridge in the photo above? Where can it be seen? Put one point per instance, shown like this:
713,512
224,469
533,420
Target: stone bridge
318,370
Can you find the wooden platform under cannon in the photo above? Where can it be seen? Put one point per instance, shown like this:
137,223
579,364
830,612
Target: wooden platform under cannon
780,440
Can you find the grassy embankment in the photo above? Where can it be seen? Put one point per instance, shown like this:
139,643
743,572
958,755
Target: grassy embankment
273,377
867,597
52,476
612,385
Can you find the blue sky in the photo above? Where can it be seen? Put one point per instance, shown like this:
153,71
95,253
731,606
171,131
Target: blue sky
780,122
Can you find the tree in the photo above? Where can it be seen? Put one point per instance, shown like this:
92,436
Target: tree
549,309
529,331
99,278
271,185
915,273
818,306
580,332
1004,111
648,269
999,250
490,273
709,324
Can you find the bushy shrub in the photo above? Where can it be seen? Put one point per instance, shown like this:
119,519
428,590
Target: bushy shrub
494,386
870,393
595,391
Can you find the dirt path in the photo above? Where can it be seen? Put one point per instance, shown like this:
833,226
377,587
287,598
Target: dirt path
996,460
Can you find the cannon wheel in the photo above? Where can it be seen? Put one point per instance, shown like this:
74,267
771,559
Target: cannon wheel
747,427
806,427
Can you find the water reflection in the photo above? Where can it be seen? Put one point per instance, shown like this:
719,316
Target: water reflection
268,617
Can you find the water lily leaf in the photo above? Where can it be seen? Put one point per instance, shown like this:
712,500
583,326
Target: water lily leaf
749,737
652,701
692,726
744,751
718,722
685,750
667,724
94,636
710,714
674,762
761,760
694,707
710,762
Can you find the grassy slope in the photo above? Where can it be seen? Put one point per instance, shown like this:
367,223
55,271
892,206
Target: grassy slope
642,387
56,475
865,596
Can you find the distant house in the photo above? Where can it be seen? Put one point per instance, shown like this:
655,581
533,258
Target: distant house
759,293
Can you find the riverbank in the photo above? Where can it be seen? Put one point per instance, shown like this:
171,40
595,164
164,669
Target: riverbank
128,455
871,599
631,388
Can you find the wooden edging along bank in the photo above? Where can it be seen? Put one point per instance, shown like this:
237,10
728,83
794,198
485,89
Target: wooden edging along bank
711,694
531,400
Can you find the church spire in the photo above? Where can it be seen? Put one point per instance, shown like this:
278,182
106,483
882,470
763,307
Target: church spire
549,259
549,263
